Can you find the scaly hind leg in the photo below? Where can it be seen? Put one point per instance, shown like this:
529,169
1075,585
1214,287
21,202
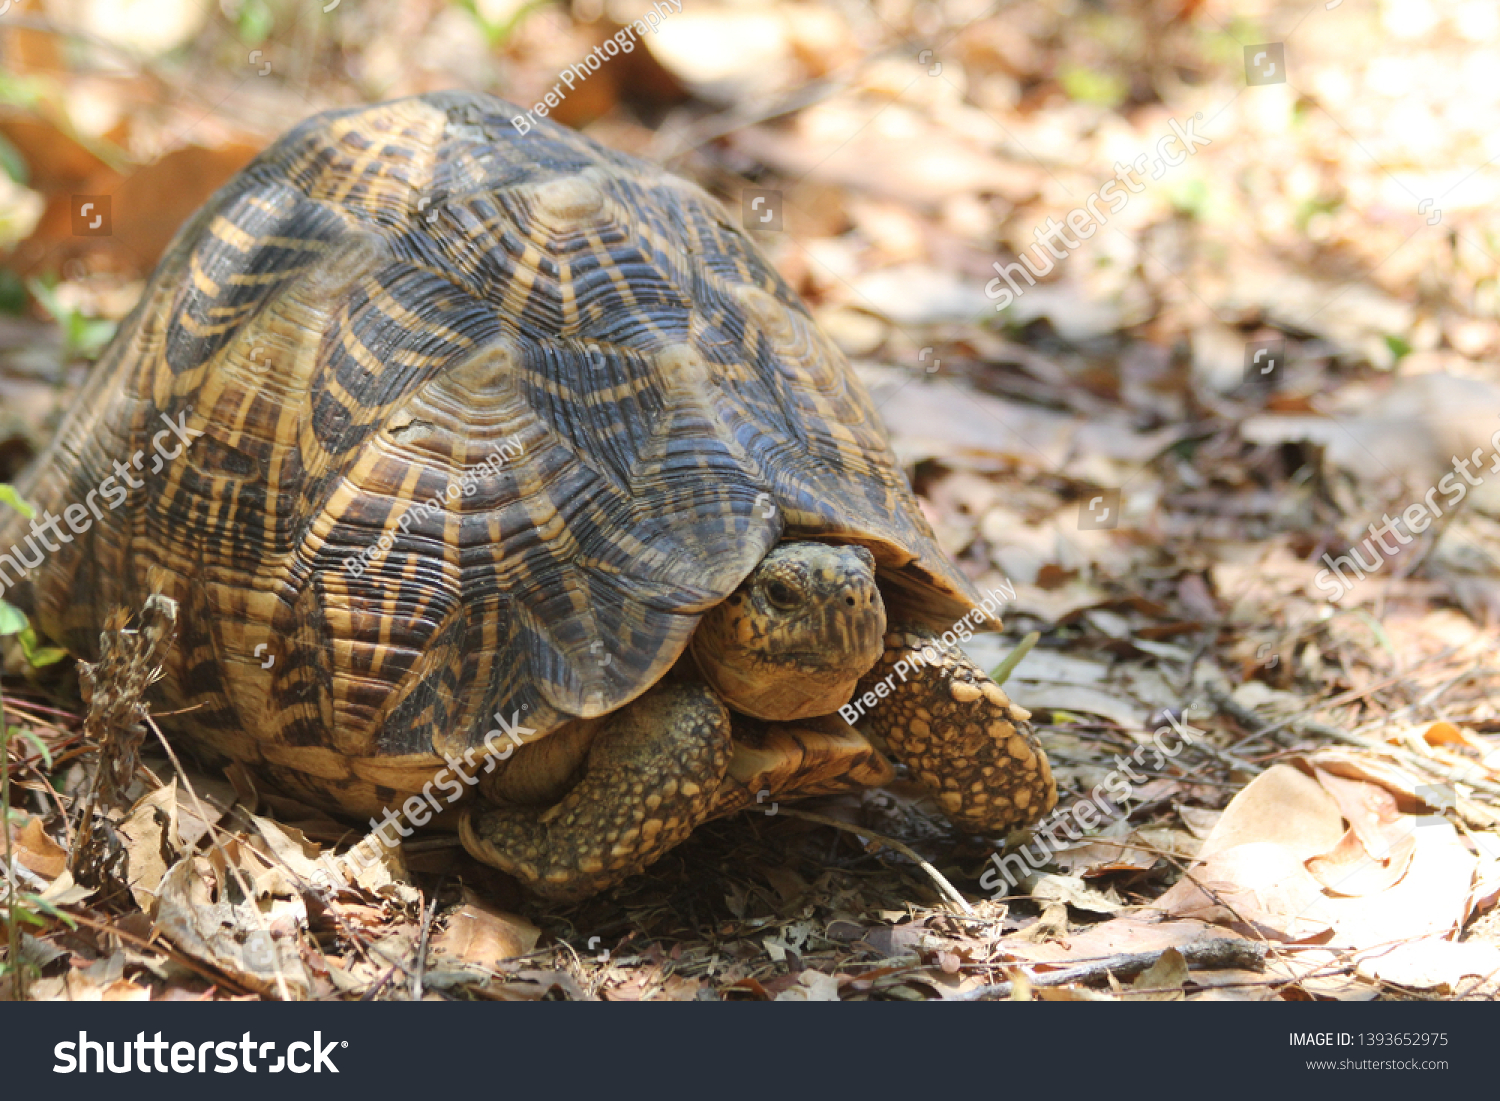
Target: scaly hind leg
649,780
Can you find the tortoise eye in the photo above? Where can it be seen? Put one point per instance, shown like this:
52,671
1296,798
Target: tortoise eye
781,594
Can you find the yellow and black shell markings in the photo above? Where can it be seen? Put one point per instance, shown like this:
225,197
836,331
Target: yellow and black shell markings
470,412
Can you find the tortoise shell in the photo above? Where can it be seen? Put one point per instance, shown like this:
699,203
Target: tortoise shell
480,424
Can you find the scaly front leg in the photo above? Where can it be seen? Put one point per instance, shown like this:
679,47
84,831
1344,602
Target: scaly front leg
955,728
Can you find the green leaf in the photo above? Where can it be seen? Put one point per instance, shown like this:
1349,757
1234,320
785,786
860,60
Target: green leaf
256,22
12,619
9,496
44,290
92,336
1189,196
38,904
1001,673
12,293
82,335
1092,86
21,91
45,907
27,915
38,655
496,34
12,163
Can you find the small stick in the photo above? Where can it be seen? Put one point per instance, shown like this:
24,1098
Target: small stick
371,994
421,972
1215,953
891,843
12,869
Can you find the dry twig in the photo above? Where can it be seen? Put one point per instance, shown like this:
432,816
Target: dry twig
1218,953
949,891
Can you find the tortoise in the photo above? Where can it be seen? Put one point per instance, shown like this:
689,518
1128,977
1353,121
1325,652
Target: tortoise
504,459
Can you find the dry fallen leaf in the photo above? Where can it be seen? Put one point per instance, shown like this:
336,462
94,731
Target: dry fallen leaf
1072,994
811,986
1274,862
1111,850
38,852
91,984
902,158
1284,807
1445,733
1261,884
149,834
254,941
1432,964
478,936
1199,821
287,846
1163,980
1369,808
147,205
64,892
1429,900
1071,890
939,419
1349,869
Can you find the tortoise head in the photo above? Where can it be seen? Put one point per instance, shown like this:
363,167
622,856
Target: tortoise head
793,640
